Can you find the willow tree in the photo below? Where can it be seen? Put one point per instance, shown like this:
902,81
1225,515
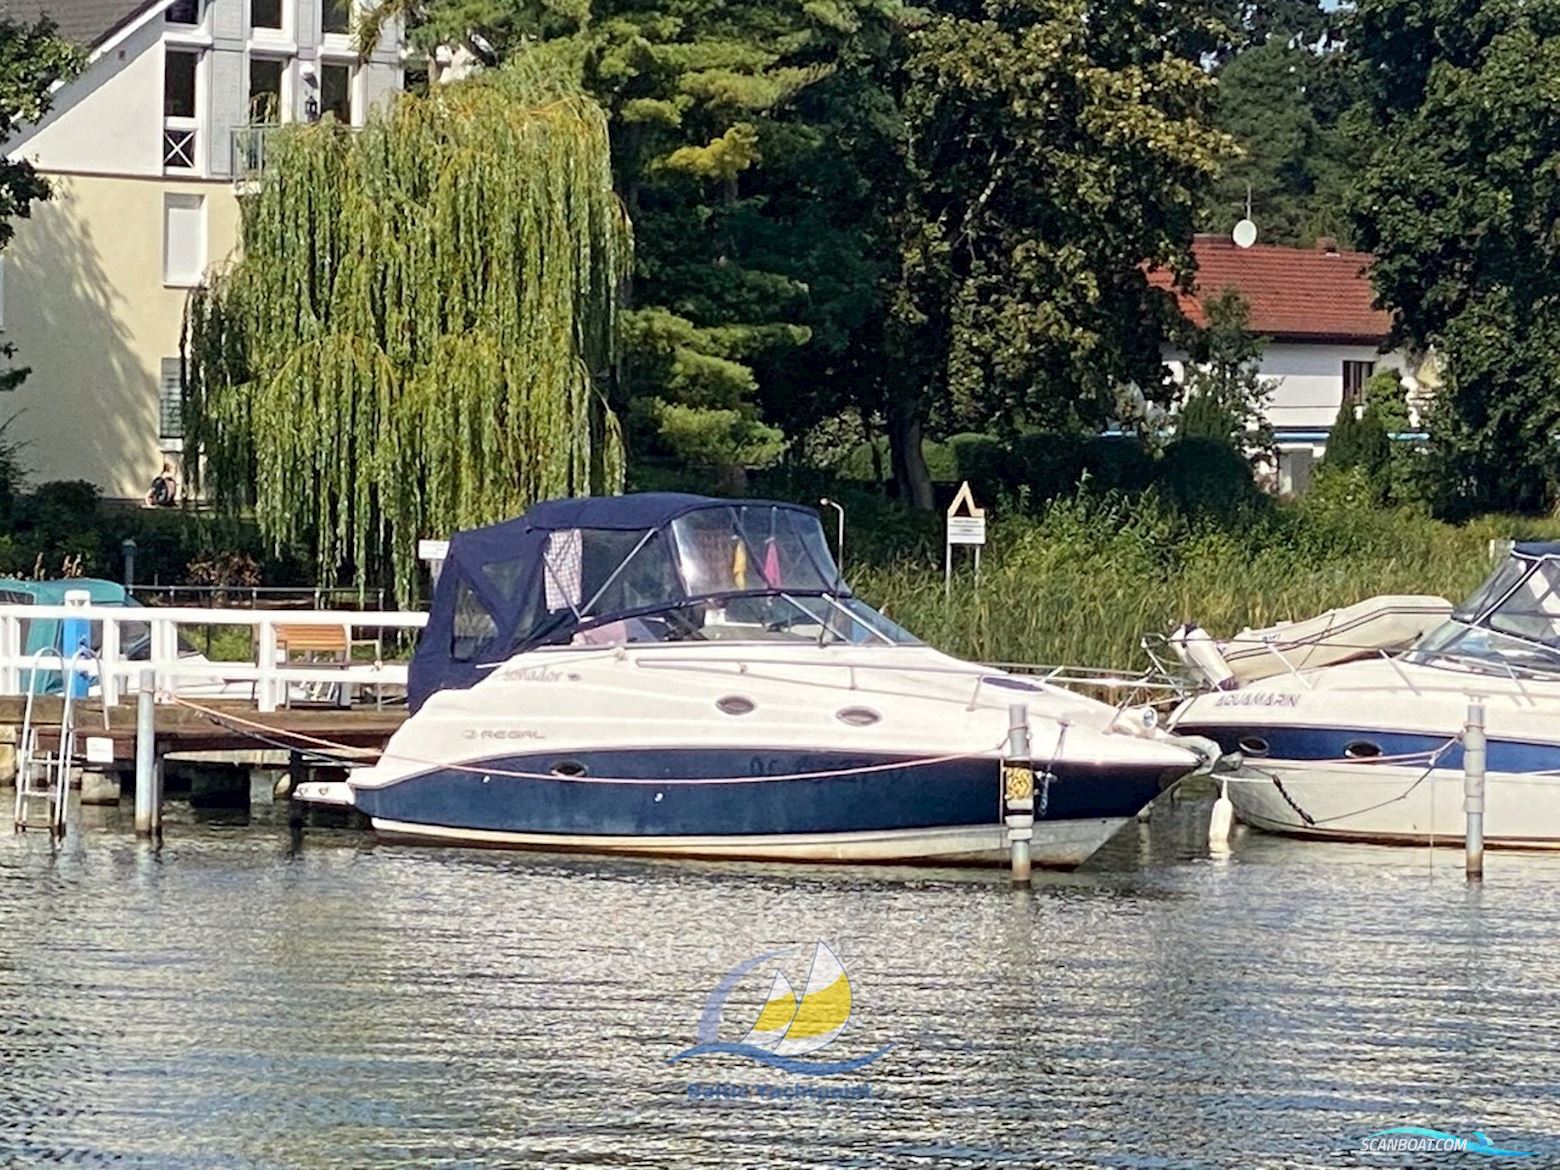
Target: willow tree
417,332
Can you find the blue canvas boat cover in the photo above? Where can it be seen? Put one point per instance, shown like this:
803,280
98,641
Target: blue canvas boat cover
571,567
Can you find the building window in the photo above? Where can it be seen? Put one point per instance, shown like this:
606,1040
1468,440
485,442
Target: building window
180,69
336,92
179,83
184,239
265,14
184,12
170,400
335,16
1355,375
265,90
178,148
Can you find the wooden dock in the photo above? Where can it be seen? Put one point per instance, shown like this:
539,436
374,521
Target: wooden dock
225,726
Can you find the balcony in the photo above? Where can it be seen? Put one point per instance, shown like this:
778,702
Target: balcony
249,151
250,146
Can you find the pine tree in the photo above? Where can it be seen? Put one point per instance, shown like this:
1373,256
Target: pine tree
1225,395
704,99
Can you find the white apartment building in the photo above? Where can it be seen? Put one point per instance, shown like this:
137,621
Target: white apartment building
147,150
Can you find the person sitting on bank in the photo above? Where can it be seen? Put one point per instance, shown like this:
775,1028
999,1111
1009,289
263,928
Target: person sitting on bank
164,491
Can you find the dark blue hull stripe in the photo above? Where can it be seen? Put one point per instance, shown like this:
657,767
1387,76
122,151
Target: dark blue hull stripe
1345,744
948,794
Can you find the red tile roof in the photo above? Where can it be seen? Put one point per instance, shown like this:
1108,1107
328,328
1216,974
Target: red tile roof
1295,294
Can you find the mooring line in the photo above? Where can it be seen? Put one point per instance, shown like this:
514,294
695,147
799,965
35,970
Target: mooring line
1430,768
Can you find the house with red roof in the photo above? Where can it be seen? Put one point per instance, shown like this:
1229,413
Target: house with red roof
1324,335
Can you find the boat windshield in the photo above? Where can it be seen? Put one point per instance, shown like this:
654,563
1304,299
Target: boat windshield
819,619
1512,623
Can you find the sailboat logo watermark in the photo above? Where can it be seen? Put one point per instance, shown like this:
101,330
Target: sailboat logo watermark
789,1030
1414,1139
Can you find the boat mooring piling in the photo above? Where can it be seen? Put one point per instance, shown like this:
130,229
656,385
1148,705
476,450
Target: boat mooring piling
148,771
1018,792
1474,760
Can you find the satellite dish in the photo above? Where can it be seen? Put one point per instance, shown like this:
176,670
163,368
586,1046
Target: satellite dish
1245,234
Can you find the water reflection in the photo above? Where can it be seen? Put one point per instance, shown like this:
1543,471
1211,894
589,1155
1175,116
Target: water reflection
236,1000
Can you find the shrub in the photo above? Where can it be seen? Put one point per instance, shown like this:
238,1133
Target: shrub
1204,475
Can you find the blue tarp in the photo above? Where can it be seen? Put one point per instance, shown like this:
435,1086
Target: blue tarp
612,557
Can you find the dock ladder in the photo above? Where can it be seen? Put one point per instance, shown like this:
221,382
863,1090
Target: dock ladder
45,776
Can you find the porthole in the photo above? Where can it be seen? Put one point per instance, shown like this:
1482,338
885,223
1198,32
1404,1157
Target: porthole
1362,749
857,716
1254,745
736,704
568,769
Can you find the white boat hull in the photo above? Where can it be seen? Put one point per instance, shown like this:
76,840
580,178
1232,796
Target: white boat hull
1062,844
1396,805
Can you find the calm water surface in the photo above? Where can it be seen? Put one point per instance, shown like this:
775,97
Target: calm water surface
244,998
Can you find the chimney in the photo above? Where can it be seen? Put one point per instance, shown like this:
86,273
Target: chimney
1327,245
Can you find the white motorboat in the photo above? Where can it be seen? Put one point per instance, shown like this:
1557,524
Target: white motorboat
1366,744
680,675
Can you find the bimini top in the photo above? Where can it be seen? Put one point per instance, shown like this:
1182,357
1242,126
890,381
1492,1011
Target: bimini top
640,568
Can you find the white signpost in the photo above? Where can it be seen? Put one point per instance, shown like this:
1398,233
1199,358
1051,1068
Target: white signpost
966,525
435,552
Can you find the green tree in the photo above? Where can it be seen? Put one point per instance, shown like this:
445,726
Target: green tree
32,61
712,121
1288,106
1386,395
1459,203
1225,394
415,337
1055,149
1359,441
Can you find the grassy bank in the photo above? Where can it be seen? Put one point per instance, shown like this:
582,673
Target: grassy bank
1081,582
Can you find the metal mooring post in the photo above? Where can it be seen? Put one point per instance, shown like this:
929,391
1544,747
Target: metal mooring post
148,787
1018,792
1474,759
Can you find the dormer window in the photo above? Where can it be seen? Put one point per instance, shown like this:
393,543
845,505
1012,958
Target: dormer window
184,12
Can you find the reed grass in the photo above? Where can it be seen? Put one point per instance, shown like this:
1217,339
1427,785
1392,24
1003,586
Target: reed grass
1083,581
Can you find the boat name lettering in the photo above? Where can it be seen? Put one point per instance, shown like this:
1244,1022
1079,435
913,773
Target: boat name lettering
534,674
1256,699
501,733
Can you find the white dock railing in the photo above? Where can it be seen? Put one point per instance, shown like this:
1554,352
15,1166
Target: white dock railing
271,677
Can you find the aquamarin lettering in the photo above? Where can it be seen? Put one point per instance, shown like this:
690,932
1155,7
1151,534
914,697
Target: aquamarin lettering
1256,699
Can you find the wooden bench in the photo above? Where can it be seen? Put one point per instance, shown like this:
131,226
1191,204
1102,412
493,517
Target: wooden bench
323,644
313,640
